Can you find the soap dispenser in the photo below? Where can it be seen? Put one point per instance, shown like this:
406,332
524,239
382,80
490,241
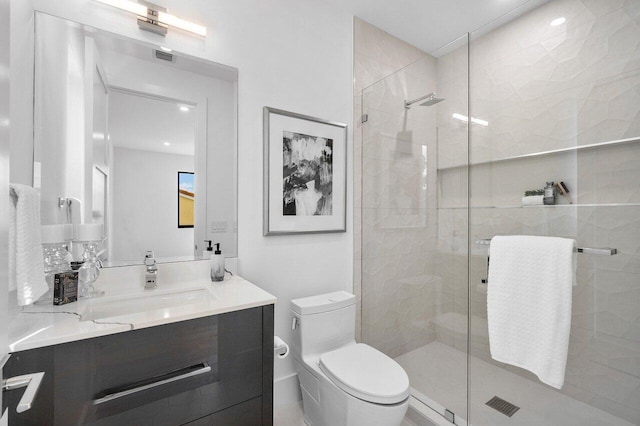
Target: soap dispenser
217,265
208,252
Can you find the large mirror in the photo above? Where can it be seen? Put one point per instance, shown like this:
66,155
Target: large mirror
136,137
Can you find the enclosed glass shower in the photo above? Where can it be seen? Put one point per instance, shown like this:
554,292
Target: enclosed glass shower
450,145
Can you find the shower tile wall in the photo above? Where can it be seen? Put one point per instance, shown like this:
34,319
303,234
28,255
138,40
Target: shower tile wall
542,88
377,55
399,212
398,204
451,323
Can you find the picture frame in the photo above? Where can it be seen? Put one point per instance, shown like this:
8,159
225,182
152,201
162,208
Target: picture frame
186,199
305,174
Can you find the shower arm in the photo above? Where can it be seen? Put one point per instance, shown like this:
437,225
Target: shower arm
407,104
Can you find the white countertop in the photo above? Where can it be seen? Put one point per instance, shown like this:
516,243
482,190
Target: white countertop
37,326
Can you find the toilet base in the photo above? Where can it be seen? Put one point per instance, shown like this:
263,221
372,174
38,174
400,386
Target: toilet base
325,404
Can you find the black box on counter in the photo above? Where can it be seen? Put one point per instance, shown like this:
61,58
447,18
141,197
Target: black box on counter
65,287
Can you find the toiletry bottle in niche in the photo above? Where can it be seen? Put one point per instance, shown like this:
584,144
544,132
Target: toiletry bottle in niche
549,194
217,264
208,251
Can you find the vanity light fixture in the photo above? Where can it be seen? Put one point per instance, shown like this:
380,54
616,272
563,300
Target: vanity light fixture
558,21
473,119
154,18
184,108
166,144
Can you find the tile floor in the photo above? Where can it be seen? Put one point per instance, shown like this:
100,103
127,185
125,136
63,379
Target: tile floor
438,372
291,415
288,415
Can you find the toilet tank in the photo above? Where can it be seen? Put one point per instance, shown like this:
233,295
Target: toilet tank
323,323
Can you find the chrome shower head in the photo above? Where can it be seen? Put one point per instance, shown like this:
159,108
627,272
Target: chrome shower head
429,100
432,100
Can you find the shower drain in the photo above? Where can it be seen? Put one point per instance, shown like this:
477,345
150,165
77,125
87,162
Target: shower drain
505,407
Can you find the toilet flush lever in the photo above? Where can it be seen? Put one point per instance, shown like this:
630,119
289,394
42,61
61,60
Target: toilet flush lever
294,323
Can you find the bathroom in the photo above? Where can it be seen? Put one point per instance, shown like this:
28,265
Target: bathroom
525,93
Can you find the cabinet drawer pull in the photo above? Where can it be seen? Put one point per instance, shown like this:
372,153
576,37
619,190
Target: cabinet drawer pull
32,383
204,368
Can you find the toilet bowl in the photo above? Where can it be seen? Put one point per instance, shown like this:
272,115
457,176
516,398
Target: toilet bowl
343,383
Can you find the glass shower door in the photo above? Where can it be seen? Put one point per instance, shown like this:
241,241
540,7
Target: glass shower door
555,96
414,225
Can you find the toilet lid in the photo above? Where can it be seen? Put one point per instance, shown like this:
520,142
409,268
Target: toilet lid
366,373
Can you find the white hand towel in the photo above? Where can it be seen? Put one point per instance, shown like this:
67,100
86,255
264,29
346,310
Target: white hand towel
533,200
529,303
26,265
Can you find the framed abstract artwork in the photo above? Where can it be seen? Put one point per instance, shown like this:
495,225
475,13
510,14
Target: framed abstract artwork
305,174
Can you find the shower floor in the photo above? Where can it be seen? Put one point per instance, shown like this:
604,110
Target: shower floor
437,373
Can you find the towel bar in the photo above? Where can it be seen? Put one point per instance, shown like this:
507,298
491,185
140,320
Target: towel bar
604,251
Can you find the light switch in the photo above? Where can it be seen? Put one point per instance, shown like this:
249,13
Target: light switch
218,226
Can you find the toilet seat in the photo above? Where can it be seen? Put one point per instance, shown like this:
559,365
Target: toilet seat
366,373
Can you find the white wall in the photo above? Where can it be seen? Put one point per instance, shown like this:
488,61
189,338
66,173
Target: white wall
295,55
21,91
154,224
4,176
60,101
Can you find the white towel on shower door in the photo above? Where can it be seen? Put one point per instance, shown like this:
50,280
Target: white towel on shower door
26,263
529,303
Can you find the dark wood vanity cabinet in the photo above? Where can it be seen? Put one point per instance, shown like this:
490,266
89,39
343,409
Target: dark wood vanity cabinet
216,370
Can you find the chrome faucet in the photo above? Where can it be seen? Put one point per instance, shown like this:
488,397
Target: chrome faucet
151,276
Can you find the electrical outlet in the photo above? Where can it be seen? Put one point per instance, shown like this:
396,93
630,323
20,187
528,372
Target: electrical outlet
219,226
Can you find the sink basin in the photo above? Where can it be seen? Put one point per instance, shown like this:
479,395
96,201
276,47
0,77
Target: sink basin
150,303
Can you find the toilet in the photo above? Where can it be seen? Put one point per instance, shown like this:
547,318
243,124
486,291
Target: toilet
343,383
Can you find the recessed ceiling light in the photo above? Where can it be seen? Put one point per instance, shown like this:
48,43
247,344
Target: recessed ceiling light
184,108
166,49
558,21
167,144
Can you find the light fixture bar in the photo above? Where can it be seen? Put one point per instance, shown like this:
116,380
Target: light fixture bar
156,19
183,24
129,6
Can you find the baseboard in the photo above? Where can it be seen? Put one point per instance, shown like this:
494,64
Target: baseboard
286,390
422,415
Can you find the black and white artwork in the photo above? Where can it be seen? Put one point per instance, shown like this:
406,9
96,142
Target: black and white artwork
307,175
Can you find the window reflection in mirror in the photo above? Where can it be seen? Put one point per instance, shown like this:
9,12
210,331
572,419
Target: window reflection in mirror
186,199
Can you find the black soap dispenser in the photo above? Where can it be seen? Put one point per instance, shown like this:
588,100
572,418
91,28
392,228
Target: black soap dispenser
217,264
208,252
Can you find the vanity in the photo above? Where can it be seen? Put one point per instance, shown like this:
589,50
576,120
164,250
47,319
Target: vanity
140,141
190,352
